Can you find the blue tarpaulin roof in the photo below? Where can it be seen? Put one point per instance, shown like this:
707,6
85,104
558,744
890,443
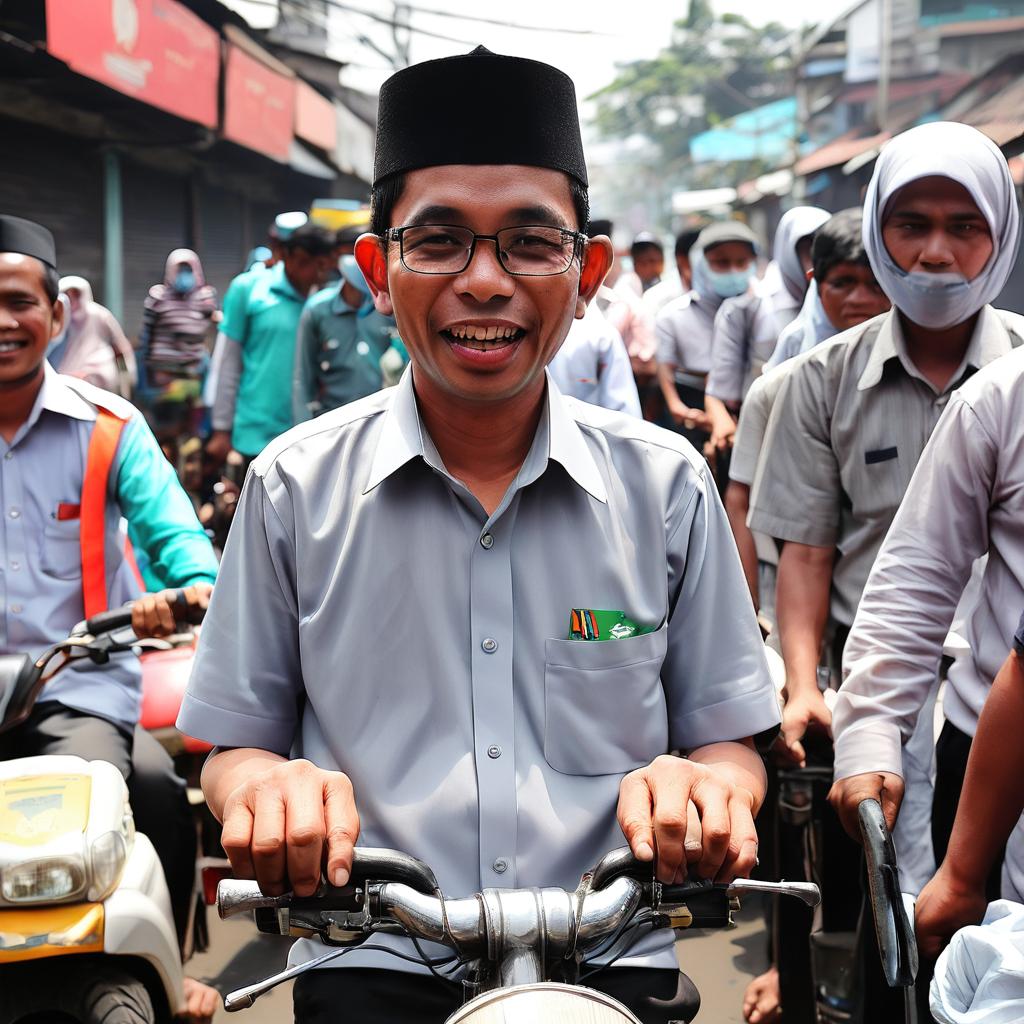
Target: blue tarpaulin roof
765,133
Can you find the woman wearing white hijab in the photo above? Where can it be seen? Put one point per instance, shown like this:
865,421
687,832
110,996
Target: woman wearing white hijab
941,230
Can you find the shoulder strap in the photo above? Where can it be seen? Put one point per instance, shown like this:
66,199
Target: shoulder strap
102,449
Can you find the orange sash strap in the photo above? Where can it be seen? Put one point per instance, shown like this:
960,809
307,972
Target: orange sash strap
102,449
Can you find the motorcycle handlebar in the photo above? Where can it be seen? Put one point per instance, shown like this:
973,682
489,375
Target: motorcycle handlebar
121,618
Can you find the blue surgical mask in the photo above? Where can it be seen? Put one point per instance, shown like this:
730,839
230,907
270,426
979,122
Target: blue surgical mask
184,282
731,283
354,276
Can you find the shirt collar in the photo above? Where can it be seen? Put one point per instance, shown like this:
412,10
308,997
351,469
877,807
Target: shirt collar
55,396
281,284
989,341
558,438
339,306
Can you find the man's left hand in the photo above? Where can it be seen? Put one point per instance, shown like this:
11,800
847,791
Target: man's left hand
946,905
693,816
153,614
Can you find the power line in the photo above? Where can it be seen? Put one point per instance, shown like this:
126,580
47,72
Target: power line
295,6
505,24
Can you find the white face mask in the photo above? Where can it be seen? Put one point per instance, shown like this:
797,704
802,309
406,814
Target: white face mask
937,301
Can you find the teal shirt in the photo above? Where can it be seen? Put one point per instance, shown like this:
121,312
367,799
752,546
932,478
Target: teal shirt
337,358
263,318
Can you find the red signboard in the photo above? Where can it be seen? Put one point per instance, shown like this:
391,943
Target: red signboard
315,120
259,105
155,50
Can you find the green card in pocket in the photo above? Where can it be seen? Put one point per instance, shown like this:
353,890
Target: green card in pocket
597,624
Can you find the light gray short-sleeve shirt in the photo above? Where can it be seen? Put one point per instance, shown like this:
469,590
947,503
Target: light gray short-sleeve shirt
371,617
847,429
684,329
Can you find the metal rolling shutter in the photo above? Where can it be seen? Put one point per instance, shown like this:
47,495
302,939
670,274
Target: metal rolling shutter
156,220
57,182
222,235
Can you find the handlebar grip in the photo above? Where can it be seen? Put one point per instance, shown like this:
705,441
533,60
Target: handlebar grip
619,863
107,622
897,944
374,864
121,618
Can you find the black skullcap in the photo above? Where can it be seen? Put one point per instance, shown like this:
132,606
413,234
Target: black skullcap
599,227
28,238
726,231
478,108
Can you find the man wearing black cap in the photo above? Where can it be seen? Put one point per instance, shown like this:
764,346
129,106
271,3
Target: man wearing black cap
57,433
396,601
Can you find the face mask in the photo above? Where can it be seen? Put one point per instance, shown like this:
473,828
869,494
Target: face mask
184,281
935,301
731,283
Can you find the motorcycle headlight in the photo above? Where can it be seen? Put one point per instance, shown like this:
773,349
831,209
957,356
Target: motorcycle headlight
108,855
43,881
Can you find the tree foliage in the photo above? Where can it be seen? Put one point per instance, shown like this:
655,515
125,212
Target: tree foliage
713,69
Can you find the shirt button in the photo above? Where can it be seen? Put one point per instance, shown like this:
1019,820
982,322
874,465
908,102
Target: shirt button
8,455
16,608
494,752
15,564
15,513
500,866
490,645
325,366
487,541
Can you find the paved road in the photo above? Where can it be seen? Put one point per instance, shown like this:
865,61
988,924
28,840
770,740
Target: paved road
720,963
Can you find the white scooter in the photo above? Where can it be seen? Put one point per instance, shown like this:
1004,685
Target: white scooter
86,930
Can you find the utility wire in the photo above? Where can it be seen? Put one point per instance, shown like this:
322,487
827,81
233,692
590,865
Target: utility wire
294,6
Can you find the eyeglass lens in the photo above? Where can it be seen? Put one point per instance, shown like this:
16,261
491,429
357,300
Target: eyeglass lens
444,249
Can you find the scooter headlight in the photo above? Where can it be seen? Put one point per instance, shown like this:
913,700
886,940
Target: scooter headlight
108,855
43,881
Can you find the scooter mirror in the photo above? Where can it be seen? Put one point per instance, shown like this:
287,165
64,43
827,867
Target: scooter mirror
19,679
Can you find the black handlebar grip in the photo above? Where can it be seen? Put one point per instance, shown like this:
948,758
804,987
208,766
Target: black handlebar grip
107,622
379,865
121,618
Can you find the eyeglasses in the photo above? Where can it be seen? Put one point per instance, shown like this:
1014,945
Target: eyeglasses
535,250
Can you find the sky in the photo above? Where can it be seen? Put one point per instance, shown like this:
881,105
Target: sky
618,31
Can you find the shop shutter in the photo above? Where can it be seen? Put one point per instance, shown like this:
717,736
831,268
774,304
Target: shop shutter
156,220
222,235
57,182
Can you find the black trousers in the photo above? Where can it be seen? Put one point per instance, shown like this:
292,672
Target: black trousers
157,795
372,996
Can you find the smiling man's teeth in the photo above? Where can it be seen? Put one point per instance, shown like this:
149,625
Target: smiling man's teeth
10,346
474,332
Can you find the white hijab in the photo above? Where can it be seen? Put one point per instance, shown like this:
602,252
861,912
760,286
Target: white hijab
795,224
961,153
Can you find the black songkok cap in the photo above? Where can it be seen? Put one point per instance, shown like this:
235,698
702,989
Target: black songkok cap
478,108
28,238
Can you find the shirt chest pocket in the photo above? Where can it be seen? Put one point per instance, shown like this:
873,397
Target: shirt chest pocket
60,552
604,705
878,479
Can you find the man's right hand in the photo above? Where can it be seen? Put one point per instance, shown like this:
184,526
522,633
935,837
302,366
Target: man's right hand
691,419
847,794
802,713
289,825
218,447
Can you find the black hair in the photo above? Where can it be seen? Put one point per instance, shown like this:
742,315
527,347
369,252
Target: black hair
686,240
311,238
839,240
51,282
638,248
389,190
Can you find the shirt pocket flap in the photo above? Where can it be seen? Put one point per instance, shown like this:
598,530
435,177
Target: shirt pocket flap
605,710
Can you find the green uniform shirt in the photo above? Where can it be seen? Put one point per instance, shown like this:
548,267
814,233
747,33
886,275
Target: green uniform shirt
263,319
337,357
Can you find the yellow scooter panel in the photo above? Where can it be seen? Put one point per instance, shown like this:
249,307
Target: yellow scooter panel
50,931
35,809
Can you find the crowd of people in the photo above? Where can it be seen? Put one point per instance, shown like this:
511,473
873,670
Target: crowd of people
827,444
